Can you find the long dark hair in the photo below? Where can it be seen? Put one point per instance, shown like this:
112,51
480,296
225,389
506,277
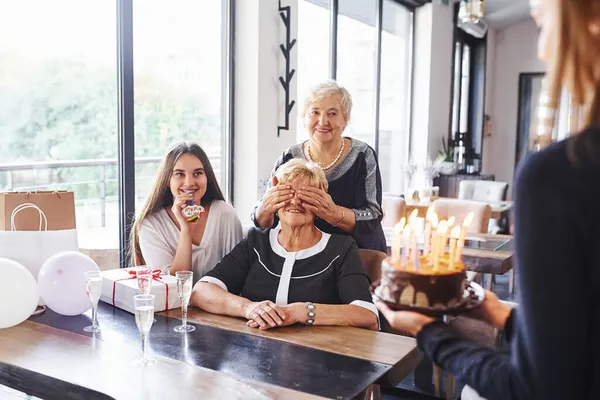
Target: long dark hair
161,197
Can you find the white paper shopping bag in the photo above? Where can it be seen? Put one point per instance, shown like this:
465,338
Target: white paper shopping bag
33,248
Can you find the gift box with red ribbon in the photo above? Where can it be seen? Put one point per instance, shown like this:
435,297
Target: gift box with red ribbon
120,285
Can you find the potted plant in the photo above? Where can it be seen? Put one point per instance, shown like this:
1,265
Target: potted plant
445,159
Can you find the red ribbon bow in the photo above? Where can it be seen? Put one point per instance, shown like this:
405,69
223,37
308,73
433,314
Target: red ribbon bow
133,275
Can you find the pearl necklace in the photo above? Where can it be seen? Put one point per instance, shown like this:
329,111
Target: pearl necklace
335,160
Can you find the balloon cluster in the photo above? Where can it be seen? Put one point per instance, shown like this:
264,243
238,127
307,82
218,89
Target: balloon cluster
60,283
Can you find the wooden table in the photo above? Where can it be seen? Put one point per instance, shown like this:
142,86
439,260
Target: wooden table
50,355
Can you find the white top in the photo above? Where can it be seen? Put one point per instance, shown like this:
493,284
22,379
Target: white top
159,237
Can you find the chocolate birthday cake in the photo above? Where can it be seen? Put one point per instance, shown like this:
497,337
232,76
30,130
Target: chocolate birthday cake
428,286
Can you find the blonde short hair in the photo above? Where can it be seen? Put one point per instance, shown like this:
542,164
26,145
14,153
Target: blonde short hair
298,168
327,89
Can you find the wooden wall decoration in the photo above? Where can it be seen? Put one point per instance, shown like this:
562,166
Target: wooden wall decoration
286,49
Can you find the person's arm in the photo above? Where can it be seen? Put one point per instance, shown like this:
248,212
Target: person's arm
552,337
212,297
183,256
368,191
217,292
330,314
273,198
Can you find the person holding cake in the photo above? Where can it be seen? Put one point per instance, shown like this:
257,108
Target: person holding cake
186,223
353,204
293,274
555,331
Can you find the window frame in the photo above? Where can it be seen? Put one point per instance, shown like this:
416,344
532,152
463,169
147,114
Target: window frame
473,136
410,6
125,110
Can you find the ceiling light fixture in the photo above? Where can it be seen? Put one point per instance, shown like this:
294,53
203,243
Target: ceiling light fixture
470,18
470,11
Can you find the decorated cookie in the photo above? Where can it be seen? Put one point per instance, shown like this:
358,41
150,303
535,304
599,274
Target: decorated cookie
193,212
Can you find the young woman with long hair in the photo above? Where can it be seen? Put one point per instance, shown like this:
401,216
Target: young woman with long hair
555,331
162,237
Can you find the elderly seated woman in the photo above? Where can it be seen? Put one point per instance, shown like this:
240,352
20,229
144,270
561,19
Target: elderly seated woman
295,274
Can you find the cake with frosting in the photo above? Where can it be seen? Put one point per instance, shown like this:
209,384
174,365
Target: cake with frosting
428,278
428,287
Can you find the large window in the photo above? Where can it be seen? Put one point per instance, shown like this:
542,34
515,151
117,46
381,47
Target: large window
394,95
313,52
356,62
179,73
467,112
61,101
58,105
367,68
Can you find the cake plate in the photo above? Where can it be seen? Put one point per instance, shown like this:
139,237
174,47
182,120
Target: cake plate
473,296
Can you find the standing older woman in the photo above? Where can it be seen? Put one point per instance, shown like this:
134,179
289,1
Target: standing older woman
555,331
279,277
353,205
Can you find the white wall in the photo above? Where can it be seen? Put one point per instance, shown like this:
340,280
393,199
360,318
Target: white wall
511,51
432,80
258,94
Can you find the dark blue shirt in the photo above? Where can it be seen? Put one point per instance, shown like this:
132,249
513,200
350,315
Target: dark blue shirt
555,346
354,183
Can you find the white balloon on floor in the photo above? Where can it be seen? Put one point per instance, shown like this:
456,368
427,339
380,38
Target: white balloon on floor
19,294
62,282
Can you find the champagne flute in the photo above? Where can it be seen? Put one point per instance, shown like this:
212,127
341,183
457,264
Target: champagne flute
184,291
144,317
93,287
144,280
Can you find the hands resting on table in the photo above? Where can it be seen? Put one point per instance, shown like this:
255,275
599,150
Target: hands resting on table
266,314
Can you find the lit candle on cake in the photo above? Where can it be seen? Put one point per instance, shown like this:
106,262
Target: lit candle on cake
440,245
451,221
454,235
414,250
406,235
429,219
397,239
463,233
413,218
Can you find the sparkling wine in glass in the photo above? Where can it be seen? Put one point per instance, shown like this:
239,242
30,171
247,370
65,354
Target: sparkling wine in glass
93,287
184,291
144,280
144,317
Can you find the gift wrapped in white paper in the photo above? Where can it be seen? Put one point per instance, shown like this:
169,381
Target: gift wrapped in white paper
120,285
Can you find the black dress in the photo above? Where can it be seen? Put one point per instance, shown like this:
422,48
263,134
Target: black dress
259,269
355,183
555,331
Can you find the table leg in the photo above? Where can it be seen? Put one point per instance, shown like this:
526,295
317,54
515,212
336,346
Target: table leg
511,282
438,379
490,279
450,387
423,374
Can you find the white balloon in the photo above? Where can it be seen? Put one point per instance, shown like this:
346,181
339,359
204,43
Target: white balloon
62,282
19,295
